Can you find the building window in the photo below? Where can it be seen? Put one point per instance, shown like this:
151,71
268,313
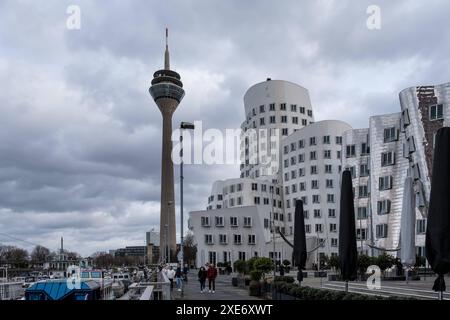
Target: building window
363,191
302,186
284,131
261,109
390,134
361,234
266,224
329,183
314,184
312,141
239,201
306,214
328,168
384,206
233,221
385,183
237,239
338,154
283,106
272,119
261,122
304,122
223,239
301,157
333,227
257,200
254,186
293,107
327,154
350,151
241,255
294,187
219,222
283,119
382,230
295,120
307,228
365,150
205,222
289,215
312,155
316,198
338,140
209,239
247,222
319,228
301,144
334,242
251,239
302,110
436,112
326,140
313,169
330,198
310,113
301,172
387,158
362,213
364,170
272,107
332,213
266,201
421,226
317,213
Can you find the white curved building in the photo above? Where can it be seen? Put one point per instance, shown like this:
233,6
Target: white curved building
311,172
274,109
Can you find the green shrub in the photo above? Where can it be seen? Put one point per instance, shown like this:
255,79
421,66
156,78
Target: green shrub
255,275
240,266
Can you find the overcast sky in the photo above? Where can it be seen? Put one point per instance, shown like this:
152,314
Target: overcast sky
80,137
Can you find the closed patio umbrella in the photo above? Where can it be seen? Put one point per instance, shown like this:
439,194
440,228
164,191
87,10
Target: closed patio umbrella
437,243
299,253
407,226
347,233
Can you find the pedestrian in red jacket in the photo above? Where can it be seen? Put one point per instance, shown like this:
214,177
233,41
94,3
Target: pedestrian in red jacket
211,275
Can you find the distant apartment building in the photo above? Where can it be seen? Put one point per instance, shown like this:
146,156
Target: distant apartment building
245,215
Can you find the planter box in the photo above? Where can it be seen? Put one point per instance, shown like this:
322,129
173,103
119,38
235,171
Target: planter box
234,281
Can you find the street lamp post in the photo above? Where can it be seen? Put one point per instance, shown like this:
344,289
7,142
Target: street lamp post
183,126
166,247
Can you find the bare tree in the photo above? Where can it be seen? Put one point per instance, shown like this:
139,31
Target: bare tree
190,248
40,254
14,256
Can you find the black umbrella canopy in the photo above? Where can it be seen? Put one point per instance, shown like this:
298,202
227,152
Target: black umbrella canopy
347,233
300,253
437,241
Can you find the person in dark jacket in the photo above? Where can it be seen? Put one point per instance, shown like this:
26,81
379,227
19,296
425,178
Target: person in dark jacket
202,274
212,274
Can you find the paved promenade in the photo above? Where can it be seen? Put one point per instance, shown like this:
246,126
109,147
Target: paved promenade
224,290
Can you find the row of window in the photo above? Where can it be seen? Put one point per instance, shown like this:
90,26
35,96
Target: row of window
223,239
328,169
300,158
300,144
220,222
317,213
329,184
272,107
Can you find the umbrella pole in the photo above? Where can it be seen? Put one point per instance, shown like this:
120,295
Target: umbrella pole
441,295
346,286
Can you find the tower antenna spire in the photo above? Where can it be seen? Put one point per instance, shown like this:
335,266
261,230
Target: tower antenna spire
166,54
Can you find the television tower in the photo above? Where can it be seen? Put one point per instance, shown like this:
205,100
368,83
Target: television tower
167,92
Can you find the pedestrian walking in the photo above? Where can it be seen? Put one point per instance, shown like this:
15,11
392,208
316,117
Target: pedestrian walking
178,275
171,275
212,274
202,274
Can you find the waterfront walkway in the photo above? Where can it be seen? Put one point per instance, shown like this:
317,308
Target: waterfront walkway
224,289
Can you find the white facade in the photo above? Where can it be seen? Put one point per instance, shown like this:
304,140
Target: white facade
311,172
309,161
274,109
